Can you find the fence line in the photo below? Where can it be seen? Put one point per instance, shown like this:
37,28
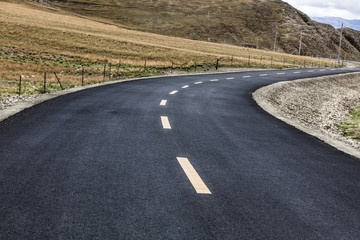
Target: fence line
91,73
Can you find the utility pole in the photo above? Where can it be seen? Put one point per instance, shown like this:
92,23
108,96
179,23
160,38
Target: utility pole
275,40
301,36
341,34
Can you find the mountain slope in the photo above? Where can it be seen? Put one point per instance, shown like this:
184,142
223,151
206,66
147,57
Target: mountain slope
35,39
242,22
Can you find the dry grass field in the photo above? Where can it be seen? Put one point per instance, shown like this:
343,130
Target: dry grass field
35,39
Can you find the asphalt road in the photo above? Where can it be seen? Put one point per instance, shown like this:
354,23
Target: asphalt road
101,164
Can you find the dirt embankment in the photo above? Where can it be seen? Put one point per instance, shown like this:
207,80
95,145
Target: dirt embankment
315,106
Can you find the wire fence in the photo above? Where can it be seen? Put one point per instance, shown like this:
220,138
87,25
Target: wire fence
51,80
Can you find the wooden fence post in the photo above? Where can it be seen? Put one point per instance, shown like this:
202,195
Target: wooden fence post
44,82
109,71
20,86
217,64
58,81
104,74
82,76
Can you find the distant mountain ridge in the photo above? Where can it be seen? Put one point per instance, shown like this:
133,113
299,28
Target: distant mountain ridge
336,22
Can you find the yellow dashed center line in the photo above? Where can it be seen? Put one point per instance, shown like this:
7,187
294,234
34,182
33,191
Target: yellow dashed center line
163,102
280,73
173,92
197,82
214,80
229,78
296,72
263,75
186,86
193,176
246,76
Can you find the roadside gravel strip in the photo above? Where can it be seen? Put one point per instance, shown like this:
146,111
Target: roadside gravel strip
315,106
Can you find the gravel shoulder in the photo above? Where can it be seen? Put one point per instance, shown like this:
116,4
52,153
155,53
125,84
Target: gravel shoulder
315,106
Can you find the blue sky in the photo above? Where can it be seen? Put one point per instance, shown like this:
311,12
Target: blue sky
348,9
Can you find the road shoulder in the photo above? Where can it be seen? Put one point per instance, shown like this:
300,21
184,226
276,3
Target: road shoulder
314,106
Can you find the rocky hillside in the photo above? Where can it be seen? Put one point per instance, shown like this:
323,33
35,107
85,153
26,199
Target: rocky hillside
242,22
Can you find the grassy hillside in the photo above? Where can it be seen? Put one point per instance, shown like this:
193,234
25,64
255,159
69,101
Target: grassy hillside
35,39
240,22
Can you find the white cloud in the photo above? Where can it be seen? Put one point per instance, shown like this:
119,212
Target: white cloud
347,9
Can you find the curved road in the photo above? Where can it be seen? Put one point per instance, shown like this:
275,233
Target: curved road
117,162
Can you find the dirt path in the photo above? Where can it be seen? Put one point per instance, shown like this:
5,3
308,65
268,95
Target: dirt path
315,106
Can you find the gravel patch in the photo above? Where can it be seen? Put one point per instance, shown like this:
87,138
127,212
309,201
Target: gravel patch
315,106
7,102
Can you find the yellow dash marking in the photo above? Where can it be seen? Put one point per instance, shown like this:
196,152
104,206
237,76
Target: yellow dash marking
197,82
173,92
163,102
263,75
165,122
230,78
246,76
186,86
214,80
296,72
193,176
332,69
280,73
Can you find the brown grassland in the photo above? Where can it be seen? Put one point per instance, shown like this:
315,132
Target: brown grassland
35,39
